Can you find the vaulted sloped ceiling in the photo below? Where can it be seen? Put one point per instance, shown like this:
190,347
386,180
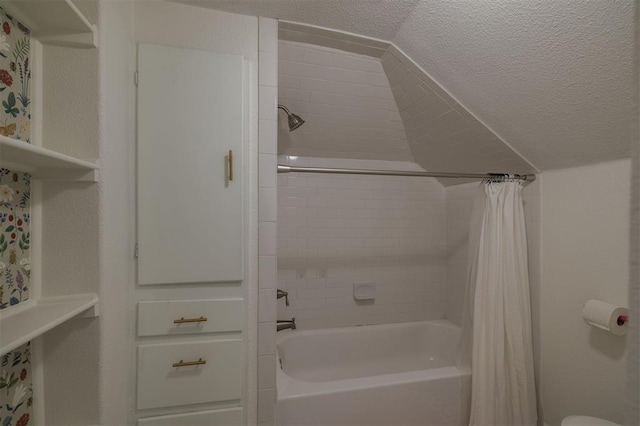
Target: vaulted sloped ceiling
553,79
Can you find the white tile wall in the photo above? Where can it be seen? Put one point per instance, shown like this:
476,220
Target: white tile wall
266,372
334,231
266,338
442,134
267,215
268,204
267,271
266,404
268,72
268,100
267,240
347,103
459,203
268,35
268,130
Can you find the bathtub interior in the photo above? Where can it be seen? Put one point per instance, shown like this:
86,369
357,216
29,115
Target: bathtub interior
355,352
381,375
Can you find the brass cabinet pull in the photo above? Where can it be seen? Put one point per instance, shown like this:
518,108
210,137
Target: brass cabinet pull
182,363
184,320
230,165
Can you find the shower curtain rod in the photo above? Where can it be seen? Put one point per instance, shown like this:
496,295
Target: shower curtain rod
290,169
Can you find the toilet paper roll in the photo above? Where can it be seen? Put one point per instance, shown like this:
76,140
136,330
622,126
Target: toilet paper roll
605,316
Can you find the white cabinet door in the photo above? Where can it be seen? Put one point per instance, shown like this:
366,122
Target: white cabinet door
189,117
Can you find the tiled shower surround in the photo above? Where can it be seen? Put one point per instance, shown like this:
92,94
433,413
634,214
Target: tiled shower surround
337,230
406,235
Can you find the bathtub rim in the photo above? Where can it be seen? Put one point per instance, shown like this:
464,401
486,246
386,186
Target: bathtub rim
289,334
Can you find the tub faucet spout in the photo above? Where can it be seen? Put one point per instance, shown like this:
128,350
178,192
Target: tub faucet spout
284,324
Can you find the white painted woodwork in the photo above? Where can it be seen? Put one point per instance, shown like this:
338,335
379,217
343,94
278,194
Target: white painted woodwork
226,417
44,163
189,115
161,385
55,22
30,319
156,318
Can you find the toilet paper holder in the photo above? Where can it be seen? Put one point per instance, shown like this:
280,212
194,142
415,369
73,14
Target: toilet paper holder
605,316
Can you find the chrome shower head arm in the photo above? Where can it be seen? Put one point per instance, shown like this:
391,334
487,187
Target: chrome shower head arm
284,108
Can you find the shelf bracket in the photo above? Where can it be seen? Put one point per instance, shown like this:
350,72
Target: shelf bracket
92,312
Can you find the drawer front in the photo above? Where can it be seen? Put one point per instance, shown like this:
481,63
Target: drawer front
226,417
160,384
156,318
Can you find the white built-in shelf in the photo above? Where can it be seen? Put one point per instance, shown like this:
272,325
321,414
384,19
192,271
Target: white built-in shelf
57,22
43,163
28,320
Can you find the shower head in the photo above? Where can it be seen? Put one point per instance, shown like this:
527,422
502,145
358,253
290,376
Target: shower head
295,121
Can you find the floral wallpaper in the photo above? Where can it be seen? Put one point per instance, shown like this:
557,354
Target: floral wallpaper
16,387
15,76
14,237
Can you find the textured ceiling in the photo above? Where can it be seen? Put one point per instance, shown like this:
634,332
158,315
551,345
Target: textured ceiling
552,78
347,103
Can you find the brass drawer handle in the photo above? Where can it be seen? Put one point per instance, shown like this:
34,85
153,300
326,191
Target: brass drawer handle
184,320
182,363
230,165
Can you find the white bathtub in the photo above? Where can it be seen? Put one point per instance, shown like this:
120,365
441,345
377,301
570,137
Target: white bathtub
394,374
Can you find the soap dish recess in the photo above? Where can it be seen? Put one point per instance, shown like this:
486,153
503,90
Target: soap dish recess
364,291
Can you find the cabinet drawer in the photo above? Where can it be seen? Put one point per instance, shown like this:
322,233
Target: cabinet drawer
157,318
160,384
226,417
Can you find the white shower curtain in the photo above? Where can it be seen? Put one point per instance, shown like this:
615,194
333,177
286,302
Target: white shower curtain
497,317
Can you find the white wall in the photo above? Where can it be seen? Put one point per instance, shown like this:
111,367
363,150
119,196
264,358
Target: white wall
335,230
585,255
